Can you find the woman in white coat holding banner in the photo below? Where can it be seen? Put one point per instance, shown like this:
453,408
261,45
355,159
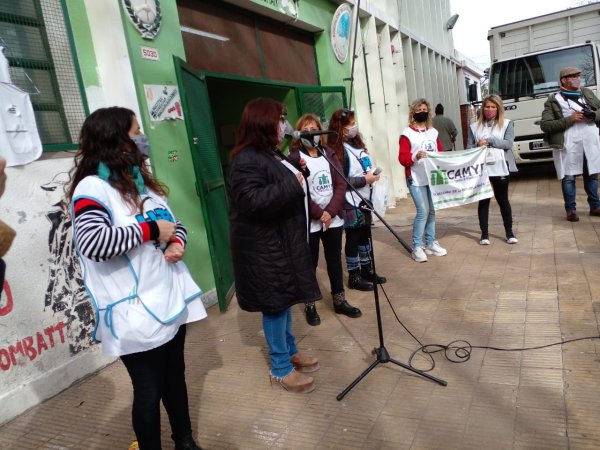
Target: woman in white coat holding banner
419,138
496,132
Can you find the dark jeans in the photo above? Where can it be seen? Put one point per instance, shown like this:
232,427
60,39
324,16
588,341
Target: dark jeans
159,374
590,184
355,237
500,187
332,247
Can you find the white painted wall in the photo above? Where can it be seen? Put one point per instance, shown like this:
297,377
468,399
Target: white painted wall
421,65
46,318
45,315
112,57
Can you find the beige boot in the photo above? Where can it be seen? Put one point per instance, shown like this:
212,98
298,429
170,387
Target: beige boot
295,382
305,364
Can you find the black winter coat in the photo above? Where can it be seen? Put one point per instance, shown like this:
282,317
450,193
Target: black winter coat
271,258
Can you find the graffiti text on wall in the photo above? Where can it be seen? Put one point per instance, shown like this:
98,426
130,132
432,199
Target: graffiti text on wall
32,346
5,306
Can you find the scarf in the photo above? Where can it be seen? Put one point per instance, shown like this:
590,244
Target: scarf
104,173
570,94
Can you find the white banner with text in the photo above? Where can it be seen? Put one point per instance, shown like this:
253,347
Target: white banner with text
457,178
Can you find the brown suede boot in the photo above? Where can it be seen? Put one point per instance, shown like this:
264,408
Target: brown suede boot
295,382
305,364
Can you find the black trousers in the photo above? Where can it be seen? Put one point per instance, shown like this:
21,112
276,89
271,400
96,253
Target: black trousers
159,374
332,247
500,187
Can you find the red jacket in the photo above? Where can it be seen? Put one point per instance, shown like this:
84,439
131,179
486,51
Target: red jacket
405,155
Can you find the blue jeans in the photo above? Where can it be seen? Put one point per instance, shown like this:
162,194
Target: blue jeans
281,341
425,218
590,184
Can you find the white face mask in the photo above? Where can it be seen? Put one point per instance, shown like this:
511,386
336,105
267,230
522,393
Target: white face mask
281,131
308,144
352,132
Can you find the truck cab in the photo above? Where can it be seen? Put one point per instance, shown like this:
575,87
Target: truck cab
525,82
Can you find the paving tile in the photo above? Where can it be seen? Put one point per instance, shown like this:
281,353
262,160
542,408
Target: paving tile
543,290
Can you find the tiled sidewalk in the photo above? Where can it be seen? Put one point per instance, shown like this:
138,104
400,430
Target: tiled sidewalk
541,290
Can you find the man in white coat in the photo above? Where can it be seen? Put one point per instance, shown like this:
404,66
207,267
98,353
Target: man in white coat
570,122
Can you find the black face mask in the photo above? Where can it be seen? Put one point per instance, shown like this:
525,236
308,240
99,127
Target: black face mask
420,117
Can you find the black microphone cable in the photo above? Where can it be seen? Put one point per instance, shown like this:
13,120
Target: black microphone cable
459,351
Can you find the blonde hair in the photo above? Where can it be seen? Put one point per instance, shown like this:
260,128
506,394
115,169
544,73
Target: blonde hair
413,106
496,100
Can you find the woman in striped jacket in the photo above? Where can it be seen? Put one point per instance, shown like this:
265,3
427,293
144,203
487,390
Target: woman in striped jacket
130,247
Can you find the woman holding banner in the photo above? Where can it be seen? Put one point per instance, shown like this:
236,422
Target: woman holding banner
496,132
415,141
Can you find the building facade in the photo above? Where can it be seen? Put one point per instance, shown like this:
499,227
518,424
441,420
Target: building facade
187,68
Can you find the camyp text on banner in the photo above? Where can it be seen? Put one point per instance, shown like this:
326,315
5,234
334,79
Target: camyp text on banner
457,178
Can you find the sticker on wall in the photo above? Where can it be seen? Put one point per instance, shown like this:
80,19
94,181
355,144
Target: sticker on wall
340,32
173,155
150,53
145,15
163,102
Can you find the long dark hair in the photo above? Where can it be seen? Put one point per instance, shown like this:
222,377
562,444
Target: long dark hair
105,138
340,119
258,125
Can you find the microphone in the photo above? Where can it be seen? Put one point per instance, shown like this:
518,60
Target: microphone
309,134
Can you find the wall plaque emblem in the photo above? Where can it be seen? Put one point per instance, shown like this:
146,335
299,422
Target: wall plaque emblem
341,26
145,15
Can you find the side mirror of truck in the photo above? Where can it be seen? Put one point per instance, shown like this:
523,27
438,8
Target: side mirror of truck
473,94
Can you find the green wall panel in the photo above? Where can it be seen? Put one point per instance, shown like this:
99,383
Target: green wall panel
170,138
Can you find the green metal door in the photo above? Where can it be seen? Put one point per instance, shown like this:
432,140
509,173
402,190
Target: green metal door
320,100
210,183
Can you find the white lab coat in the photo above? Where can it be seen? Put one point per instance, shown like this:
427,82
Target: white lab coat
581,138
19,138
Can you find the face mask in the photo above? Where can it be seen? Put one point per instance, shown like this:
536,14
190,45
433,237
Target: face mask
574,83
141,140
489,114
420,117
281,131
352,132
308,144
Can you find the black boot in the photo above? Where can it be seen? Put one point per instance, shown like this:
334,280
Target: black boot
312,316
368,274
341,306
186,443
355,281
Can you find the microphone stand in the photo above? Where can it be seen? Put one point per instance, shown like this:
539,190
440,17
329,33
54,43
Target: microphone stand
380,352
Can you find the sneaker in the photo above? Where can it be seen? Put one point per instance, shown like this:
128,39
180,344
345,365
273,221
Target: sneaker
484,241
435,249
418,254
512,240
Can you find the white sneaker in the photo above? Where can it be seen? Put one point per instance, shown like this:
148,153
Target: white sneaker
484,242
418,254
512,240
435,249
